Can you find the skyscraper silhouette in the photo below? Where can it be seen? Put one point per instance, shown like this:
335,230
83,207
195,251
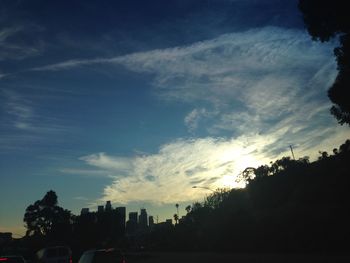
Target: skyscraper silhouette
143,222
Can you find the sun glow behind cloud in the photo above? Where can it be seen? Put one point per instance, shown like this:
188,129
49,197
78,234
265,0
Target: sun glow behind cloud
171,173
257,91
140,113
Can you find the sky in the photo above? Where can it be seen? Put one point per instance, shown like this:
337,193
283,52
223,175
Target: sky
136,102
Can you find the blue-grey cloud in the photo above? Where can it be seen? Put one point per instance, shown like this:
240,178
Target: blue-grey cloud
13,49
25,122
20,110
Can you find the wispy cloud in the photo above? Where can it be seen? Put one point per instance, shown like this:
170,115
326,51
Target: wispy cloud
25,123
247,67
11,49
170,174
86,172
265,88
20,109
193,118
109,163
3,75
8,32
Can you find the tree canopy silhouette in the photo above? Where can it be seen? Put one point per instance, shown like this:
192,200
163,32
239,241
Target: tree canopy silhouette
288,206
45,217
324,20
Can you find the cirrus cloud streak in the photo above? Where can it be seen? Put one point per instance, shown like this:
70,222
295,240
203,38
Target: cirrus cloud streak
253,92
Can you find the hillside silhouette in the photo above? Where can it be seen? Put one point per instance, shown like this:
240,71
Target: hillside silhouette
289,206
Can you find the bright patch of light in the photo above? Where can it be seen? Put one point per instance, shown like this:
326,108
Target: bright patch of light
247,161
228,181
250,69
241,162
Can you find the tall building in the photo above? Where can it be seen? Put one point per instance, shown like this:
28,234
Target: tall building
108,206
100,209
143,220
150,221
121,216
131,225
133,217
121,212
84,211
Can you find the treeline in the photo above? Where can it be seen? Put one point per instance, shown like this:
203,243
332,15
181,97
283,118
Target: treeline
48,224
289,206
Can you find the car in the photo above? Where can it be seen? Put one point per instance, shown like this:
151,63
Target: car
102,256
12,259
57,254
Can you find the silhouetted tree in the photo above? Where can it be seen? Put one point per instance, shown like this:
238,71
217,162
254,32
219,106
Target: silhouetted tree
188,208
176,218
323,155
345,147
246,176
45,217
215,199
261,171
289,206
324,20
177,208
335,151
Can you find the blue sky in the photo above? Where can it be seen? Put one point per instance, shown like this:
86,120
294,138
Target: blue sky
138,101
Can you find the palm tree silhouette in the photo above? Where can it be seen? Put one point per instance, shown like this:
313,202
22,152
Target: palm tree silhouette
176,218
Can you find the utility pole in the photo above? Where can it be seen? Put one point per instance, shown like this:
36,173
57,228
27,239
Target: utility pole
291,149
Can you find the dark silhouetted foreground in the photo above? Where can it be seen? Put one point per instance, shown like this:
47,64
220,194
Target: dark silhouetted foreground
288,207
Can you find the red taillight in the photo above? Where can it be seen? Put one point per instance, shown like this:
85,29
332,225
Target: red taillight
3,259
70,260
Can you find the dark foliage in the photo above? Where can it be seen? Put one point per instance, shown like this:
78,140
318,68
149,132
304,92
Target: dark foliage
289,206
324,20
46,219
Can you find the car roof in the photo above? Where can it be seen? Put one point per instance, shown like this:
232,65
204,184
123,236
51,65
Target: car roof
103,249
56,247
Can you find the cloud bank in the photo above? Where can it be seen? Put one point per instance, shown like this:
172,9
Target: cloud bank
253,92
169,175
